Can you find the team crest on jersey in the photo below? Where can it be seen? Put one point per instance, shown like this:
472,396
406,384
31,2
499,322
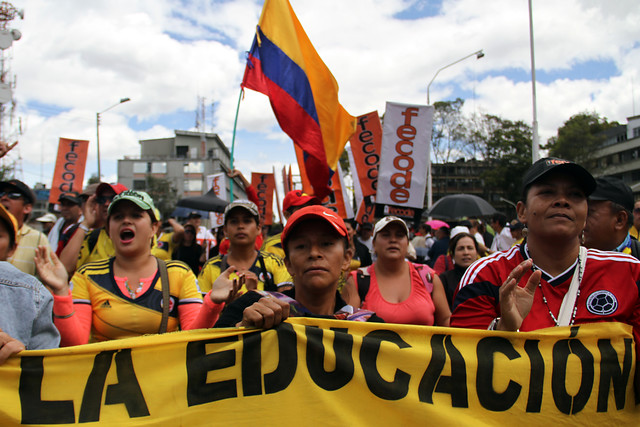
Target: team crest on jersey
602,303
172,302
261,277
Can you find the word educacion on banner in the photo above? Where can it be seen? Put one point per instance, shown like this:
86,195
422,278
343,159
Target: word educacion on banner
307,366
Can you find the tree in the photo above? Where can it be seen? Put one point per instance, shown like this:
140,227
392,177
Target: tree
579,137
448,131
506,146
93,179
163,193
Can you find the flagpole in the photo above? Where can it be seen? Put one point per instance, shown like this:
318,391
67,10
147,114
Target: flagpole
233,144
277,197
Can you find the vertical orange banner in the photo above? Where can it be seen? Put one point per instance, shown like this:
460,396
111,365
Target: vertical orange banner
366,213
306,184
264,183
365,146
70,163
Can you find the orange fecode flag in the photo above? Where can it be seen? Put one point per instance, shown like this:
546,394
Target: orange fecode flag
70,163
366,213
264,183
365,146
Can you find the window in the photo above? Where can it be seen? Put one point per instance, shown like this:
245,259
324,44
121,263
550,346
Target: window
182,151
193,167
192,185
159,167
140,167
636,132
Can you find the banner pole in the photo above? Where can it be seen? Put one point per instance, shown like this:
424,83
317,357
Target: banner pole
277,197
233,143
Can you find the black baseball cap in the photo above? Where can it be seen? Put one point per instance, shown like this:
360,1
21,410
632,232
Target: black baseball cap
21,188
547,165
71,196
614,190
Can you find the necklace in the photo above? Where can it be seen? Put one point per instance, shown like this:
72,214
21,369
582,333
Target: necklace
133,292
579,271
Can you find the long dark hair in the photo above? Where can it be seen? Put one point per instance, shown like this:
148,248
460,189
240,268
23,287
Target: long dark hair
454,242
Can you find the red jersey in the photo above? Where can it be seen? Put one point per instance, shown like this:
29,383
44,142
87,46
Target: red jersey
609,291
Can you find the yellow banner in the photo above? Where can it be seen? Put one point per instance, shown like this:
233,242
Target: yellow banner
324,372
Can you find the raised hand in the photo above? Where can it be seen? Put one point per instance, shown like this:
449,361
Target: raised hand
52,272
225,289
516,301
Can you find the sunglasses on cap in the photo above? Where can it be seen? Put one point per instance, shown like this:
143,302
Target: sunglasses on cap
11,194
104,199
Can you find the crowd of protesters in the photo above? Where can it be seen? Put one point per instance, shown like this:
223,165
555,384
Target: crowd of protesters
109,270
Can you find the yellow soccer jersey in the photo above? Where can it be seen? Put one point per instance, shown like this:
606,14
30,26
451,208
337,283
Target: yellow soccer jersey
95,249
115,315
164,247
277,274
274,245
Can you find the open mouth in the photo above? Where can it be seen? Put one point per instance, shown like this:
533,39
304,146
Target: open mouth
127,235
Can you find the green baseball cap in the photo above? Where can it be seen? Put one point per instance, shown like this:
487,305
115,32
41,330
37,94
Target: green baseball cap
140,198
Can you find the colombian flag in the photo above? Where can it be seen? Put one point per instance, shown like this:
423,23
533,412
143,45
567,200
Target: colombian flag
284,65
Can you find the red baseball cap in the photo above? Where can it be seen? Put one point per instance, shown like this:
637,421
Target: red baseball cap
298,198
117,188
314,211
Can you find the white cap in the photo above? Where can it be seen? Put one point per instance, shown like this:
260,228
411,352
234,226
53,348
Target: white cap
386,221
459,229
48,217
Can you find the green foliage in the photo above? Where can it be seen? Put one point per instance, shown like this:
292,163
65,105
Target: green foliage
448,131
7,170
163,193
93,179
507,148
579,137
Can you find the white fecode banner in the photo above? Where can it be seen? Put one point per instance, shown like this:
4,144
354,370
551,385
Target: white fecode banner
219,184
406,142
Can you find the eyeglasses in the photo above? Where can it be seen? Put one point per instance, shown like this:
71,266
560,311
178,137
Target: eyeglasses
636,210
104,199
12,195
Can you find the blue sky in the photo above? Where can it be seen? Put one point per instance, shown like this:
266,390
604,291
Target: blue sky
76,58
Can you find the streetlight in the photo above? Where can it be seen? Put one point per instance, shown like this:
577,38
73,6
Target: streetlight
535,143
123,100
478,54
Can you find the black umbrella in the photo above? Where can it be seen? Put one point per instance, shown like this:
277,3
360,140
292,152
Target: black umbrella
459,205
207,202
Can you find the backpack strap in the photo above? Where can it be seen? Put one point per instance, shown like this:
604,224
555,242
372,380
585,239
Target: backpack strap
426,274
635,248
164,279
363,282
268,281
93,239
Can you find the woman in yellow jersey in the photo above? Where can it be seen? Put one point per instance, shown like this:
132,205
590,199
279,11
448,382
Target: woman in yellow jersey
123,296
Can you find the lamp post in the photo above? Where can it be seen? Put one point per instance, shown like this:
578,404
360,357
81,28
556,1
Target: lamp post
123,100
478,54
535,144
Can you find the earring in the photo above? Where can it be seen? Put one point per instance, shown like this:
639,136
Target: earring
582,238
342,281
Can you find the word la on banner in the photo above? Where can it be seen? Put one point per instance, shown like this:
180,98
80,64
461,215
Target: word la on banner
333,371
68,174
265,184
402,175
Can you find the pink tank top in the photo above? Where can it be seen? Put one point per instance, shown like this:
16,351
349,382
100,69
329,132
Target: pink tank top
418,309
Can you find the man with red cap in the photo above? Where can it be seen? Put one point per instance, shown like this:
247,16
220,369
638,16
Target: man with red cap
293,201
91,241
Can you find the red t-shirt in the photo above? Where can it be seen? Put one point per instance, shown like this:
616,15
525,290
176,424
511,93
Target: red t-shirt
609,291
